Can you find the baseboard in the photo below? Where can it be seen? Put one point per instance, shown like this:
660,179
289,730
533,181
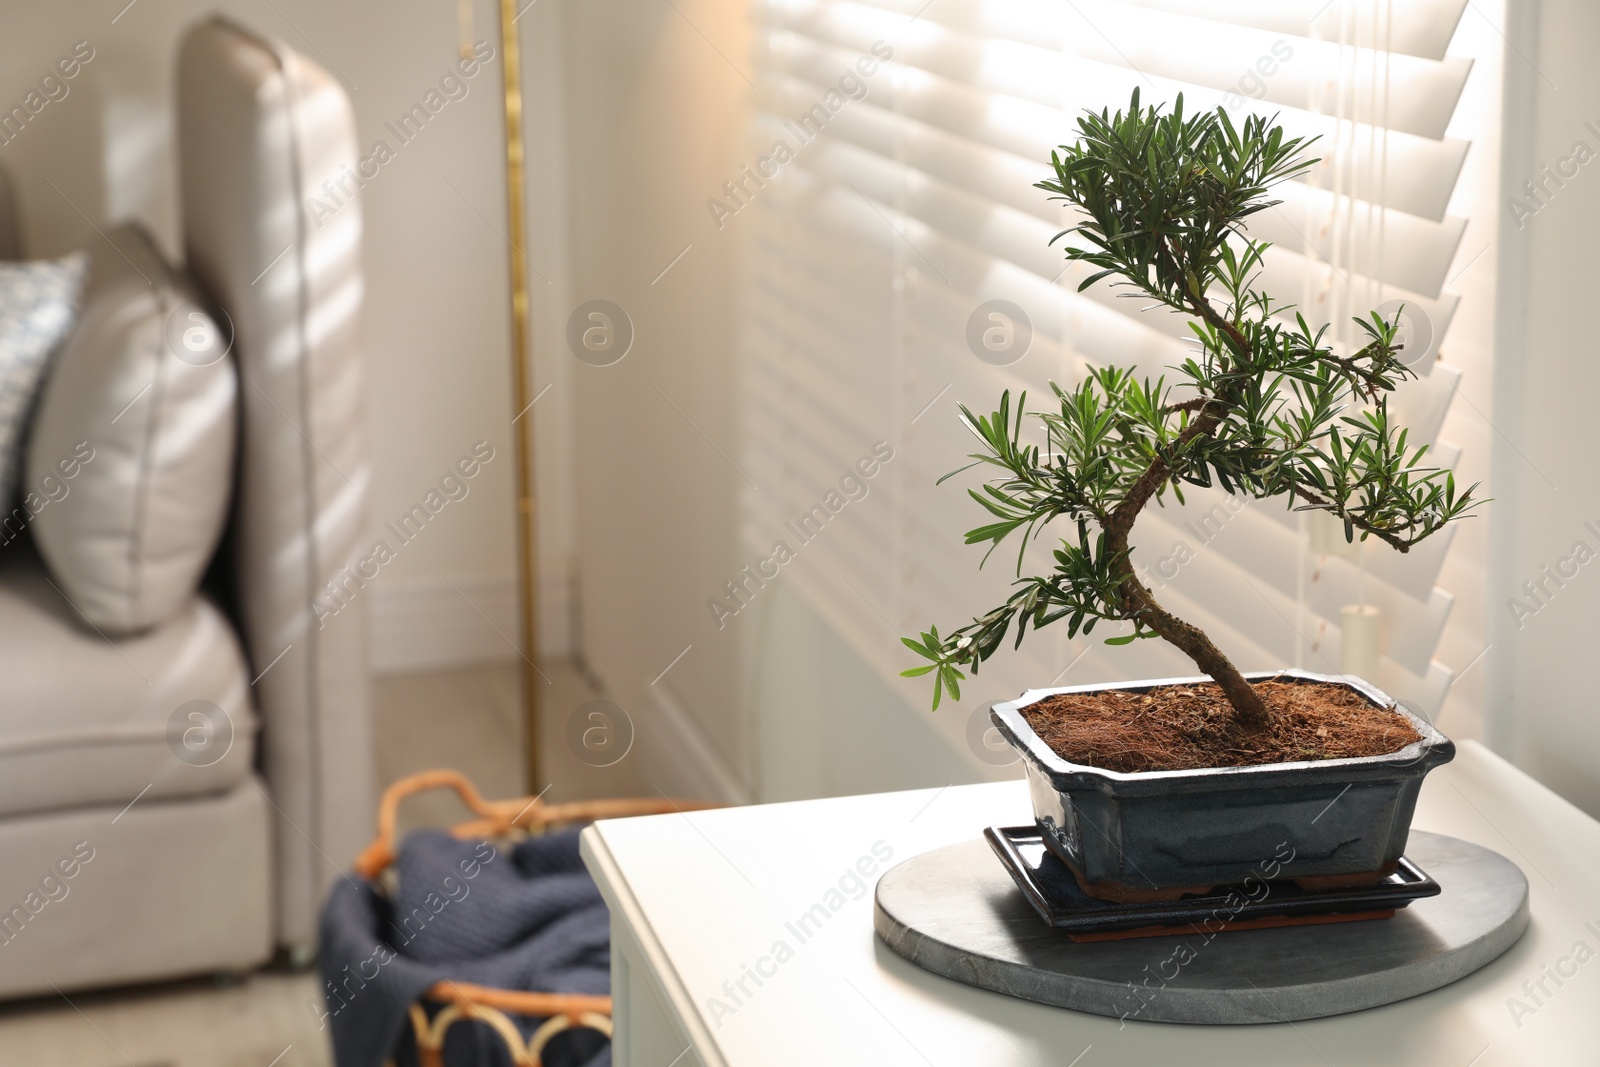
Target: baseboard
434,624
683,759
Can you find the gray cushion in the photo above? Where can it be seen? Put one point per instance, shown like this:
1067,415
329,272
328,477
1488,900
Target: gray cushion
171,888
143,397
37,303
85,721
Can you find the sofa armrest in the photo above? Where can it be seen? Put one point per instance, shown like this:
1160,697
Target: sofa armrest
260,129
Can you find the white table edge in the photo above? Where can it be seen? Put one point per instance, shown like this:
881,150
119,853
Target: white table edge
625,911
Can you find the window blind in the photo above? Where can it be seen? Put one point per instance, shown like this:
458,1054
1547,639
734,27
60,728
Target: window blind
905,203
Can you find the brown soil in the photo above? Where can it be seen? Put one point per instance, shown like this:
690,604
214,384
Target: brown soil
1182,727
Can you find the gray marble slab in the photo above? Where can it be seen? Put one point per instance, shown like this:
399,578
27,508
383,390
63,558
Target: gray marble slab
956,912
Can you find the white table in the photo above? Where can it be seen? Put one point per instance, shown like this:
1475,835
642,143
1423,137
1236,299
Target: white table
703,902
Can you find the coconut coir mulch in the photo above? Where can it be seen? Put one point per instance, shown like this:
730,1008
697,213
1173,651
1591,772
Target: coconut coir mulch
1182,727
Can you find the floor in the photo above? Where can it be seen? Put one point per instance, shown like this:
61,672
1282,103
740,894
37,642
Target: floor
466,718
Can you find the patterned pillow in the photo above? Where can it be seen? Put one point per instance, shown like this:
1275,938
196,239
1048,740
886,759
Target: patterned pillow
38,302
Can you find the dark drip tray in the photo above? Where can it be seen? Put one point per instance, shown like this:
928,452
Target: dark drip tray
1054,893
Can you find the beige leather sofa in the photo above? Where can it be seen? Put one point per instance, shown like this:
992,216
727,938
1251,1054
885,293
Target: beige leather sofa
179,868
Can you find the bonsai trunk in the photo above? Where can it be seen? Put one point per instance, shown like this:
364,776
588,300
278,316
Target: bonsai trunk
1250,711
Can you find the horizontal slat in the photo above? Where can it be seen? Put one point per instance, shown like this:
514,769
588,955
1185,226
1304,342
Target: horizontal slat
993,173
1415,251
1404,250
1401,171
847,214
1015,237
1415,27
1314,287
817,413
783,510
983,44
1394,168
1421,404
1422,694
1413,572
1258,555
853,405
1407,251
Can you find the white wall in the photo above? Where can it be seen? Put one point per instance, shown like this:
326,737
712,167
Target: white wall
1547,484
436,319
657,111
830,724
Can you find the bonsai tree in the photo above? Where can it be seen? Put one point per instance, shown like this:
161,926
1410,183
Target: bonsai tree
1265,406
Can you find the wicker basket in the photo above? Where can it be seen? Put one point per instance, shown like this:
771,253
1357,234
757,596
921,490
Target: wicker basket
501,820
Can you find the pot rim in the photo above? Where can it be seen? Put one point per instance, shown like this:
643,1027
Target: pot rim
1421,756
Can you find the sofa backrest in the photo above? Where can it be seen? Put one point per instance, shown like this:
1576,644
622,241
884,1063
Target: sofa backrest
260,130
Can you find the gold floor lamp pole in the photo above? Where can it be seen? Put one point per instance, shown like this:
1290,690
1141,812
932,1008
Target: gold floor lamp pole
521,388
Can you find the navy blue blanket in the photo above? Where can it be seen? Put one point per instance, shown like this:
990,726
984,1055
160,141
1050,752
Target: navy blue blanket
527,919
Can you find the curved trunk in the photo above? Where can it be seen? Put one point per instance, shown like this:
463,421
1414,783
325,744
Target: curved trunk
1250,711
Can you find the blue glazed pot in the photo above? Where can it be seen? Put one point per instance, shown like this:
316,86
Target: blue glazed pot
1156,835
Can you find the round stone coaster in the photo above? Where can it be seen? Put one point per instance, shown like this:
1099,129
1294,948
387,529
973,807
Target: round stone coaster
956,912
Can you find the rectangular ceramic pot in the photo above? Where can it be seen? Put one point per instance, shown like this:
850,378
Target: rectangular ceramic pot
1154,835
